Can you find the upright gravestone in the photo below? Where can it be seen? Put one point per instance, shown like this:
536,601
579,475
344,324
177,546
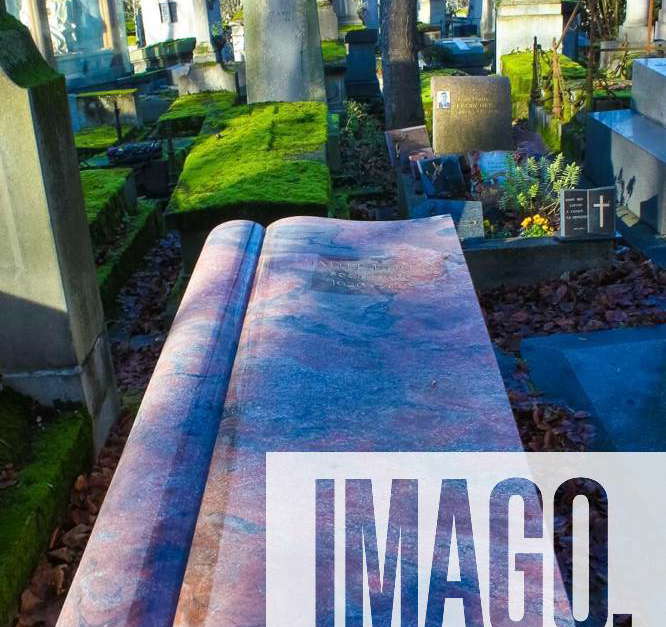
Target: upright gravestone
518,22
361,80
328,21
53,342
471,113
282,51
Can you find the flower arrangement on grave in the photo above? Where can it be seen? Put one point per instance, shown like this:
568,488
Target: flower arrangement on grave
536,226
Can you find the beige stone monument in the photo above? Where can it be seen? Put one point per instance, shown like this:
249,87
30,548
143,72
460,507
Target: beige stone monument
53,341
471,113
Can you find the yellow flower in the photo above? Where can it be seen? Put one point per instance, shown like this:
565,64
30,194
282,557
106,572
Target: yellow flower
526,222
539,220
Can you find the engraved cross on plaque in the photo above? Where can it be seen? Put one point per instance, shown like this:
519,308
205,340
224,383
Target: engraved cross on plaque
602,206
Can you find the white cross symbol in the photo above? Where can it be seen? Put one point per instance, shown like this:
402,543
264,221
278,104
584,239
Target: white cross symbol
601,205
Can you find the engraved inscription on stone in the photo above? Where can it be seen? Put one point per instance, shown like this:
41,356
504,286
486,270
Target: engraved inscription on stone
369,276
587,213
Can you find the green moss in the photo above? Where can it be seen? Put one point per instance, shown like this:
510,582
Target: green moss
187,114
105,202
269,157
517,67
333,51
108,93
19,57
348,28
142,232
98,138
14,427
31,509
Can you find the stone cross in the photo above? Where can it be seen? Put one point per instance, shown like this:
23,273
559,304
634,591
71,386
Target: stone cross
283,51
53,341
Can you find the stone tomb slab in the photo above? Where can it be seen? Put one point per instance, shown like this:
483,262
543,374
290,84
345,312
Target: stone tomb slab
618,376
648,89
351,337
471,113
467,215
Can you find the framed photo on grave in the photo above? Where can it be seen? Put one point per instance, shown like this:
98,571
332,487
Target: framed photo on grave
587,213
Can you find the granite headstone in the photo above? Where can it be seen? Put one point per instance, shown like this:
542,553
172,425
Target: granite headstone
471,113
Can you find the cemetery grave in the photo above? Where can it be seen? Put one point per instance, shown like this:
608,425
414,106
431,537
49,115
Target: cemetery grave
480,191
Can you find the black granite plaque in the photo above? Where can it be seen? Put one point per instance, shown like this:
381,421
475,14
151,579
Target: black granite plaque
587,213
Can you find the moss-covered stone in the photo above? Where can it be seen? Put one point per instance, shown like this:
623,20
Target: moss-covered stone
105,201
517,67
142,231
109,93
31,509
268,161
334,52
14,427
187,114
19,57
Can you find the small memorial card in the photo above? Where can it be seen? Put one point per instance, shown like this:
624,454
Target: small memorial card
587,213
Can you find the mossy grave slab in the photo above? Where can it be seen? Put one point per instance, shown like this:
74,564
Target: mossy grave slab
107,200
267,162
187,114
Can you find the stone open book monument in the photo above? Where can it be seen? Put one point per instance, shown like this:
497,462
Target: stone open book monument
312,335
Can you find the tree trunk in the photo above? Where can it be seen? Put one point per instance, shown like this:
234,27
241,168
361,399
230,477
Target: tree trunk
400,68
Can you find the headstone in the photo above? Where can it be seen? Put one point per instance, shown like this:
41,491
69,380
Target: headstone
403,142
361,80
660,26
442,177
587,213
372,13
238,40
347,11
53,341
627,148
328,21
617,376
431,11
635,27
518,22
282,51
471,113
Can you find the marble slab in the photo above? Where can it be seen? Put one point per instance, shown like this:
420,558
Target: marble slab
134,562
357,337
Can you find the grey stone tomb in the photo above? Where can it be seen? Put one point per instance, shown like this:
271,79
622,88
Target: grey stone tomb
471,113
53,341
618,376
587,213
282,51
627,148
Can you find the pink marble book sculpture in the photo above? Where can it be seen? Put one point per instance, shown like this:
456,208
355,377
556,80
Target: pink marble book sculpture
312,335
